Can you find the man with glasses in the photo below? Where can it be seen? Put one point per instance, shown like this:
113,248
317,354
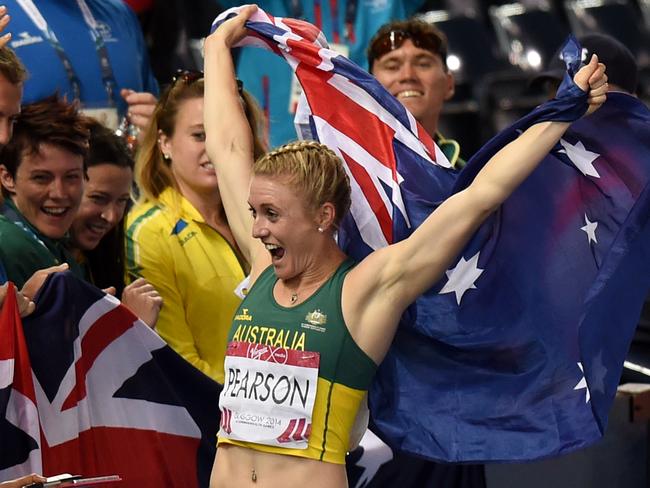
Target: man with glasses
408,57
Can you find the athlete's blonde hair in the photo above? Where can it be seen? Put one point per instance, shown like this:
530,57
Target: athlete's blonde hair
312,169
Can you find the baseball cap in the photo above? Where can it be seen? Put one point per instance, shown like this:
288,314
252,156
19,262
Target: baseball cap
621,66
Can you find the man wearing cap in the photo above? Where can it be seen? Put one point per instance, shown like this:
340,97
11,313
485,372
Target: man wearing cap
622,70
409,58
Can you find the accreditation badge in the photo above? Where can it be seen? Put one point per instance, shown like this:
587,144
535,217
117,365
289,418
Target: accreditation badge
268,395
106,115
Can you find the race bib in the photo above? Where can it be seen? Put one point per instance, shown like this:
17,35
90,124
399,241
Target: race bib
268,395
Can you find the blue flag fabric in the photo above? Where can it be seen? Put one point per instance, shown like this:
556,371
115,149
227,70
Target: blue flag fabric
522,360
517,352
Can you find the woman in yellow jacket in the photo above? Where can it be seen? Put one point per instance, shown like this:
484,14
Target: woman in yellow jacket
178,237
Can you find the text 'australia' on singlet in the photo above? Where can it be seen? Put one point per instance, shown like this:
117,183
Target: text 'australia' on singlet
294,376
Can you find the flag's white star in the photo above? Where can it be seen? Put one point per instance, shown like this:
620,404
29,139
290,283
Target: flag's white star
590,229
583,384
579,156
462,277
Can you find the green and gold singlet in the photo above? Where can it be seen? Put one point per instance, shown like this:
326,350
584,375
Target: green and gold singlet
294,376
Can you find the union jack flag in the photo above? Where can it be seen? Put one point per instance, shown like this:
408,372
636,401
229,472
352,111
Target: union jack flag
90,389
516,353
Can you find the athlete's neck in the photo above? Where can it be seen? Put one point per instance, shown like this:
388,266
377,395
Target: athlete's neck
316,273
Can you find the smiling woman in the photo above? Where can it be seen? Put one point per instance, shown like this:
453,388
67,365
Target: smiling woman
178,237
42,176
97,232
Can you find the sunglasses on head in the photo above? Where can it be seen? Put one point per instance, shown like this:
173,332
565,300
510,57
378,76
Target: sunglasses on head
187,76
394,39
190,76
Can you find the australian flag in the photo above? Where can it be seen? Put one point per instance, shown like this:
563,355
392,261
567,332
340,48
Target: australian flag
516,353
89,389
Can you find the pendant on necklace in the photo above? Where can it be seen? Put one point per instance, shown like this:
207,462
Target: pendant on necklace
253,476
294,297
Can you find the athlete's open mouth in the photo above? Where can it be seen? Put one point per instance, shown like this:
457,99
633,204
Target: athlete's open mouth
276,251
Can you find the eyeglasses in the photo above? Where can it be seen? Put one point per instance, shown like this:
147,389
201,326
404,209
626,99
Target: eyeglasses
394,39
184,76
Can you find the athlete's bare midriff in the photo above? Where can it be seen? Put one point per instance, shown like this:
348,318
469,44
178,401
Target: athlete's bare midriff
237,466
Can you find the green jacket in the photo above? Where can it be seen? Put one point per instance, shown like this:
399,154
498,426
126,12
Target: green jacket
24,250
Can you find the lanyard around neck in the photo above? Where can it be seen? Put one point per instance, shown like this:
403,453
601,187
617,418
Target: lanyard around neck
108,78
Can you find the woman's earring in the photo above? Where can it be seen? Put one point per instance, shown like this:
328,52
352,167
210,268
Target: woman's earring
166,157
320,229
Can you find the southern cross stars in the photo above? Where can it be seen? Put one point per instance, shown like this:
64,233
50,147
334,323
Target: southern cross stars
582,158
583,384
462,277
590,230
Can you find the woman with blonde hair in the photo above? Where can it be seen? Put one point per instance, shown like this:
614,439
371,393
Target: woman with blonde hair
178,236
304,344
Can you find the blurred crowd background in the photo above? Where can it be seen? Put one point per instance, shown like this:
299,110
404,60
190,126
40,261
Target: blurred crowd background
495,47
